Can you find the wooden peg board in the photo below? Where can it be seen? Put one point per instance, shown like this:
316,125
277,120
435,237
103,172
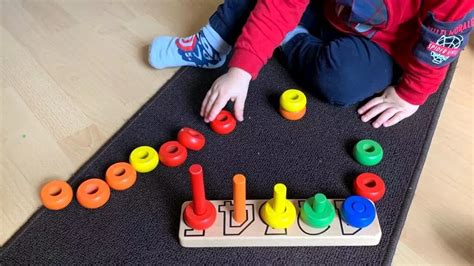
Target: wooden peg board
225,232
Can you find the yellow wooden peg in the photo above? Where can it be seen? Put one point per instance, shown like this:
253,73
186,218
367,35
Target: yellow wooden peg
279,213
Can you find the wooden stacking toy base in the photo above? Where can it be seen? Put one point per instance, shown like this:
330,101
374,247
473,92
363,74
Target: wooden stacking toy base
253,232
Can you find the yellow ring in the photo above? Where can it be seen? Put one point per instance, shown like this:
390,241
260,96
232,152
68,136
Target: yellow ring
144,159
278,220
293,100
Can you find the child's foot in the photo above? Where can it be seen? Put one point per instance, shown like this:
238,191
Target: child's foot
204,49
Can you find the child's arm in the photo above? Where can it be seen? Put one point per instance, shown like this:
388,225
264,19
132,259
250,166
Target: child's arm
265,29
444,30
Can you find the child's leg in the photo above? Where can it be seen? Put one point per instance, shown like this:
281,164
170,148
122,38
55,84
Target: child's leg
230,17
209,47
344,71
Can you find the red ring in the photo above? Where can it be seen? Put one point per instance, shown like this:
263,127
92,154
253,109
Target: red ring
191,139
224,123
370,186
200,222
172,153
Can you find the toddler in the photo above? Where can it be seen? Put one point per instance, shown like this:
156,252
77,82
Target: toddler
345,50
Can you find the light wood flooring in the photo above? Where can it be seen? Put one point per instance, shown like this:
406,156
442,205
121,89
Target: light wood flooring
73,71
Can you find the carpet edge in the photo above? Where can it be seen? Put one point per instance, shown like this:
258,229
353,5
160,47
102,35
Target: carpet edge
396,233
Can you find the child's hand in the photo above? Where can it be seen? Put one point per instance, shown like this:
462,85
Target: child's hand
389,108
231,86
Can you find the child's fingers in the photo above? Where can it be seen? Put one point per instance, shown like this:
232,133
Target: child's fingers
394,120
375,101
239,108
374,111
204,103
387,114
219,103
210,103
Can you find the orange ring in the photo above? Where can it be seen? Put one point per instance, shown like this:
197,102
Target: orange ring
56,195
120,176
93,193
292,115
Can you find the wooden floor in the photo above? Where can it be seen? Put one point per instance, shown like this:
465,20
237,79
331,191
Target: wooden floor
73,71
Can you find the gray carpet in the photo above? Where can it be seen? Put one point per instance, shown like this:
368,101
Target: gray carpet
140,225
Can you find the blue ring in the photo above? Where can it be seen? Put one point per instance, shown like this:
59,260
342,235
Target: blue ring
358,211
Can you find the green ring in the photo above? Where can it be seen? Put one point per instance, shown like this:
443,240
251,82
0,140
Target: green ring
321,218
368,152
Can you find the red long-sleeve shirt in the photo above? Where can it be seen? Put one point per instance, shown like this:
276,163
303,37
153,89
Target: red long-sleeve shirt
423,36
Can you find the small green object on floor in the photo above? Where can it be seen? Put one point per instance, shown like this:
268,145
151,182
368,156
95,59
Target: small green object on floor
368,152
317,211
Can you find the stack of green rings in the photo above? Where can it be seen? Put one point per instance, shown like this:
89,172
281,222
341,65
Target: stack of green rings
368,152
